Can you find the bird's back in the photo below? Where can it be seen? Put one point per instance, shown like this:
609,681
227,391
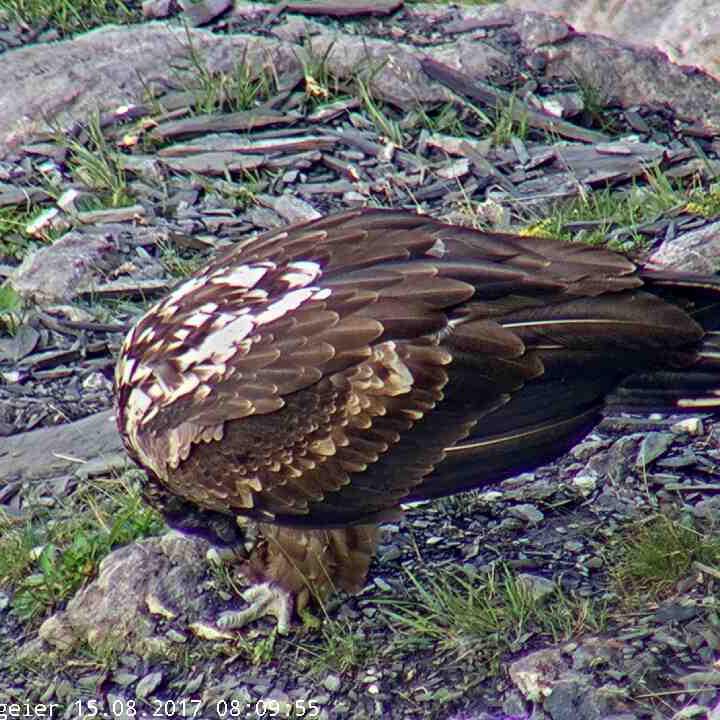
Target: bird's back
321,374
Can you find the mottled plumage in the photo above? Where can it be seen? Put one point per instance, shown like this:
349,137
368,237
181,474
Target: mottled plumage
315,377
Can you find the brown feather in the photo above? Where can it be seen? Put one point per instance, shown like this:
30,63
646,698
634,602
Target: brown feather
318,375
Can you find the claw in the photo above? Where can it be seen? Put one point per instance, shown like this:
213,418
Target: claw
265,599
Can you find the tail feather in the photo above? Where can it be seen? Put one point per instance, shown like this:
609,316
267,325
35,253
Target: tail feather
624,351
698,295
692,389
695,388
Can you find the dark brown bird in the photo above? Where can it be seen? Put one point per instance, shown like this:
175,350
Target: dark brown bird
312,379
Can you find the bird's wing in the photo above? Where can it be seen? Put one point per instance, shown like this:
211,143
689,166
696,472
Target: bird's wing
277,380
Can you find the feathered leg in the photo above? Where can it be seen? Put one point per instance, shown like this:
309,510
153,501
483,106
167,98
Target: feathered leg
289,566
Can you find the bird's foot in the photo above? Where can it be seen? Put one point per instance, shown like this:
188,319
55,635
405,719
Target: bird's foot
265,599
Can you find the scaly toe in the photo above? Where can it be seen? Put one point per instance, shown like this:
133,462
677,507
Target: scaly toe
265,599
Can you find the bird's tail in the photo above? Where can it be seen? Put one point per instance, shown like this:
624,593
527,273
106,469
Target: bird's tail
696,387
554,411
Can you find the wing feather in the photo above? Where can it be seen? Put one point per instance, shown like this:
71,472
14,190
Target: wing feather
321,373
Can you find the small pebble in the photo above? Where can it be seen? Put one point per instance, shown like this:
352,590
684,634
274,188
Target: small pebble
527,512
148,685
691,426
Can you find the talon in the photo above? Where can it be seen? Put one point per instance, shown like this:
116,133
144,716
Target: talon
265,599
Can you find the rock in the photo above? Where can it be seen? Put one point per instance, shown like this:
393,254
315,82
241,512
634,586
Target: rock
50,219
595,651
175,636
676,612
382,585
561,677
586,449
295,28
685,459
687,31
577,699
694,251
654,444
392,553
156,9
105,465
205,11
538,586
702,678
332,683
535,29
124,678
617,462
694,711
354,199
691,426
535,673
111,215
109,67
635,76
265,218
294,209
343,8
49,451
708,508
456,169
59,272
148,685
112,608
562,105
96,381
528,513
514,705
585,482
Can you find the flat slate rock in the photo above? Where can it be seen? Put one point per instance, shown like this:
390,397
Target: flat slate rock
343,9
243,120
52,451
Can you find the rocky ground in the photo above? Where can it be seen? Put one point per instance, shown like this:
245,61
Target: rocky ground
525,600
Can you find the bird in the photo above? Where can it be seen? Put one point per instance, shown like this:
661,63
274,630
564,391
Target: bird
305,383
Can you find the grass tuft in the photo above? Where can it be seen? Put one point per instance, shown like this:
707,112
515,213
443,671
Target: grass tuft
614,210
10,307
321,86
384,124
178,262
14,240
47,562
98,166
343,646
69,16
706,204
509,122
459,615
657,553
240,89
444,119
595,104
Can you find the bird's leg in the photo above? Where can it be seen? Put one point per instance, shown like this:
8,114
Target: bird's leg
289,566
